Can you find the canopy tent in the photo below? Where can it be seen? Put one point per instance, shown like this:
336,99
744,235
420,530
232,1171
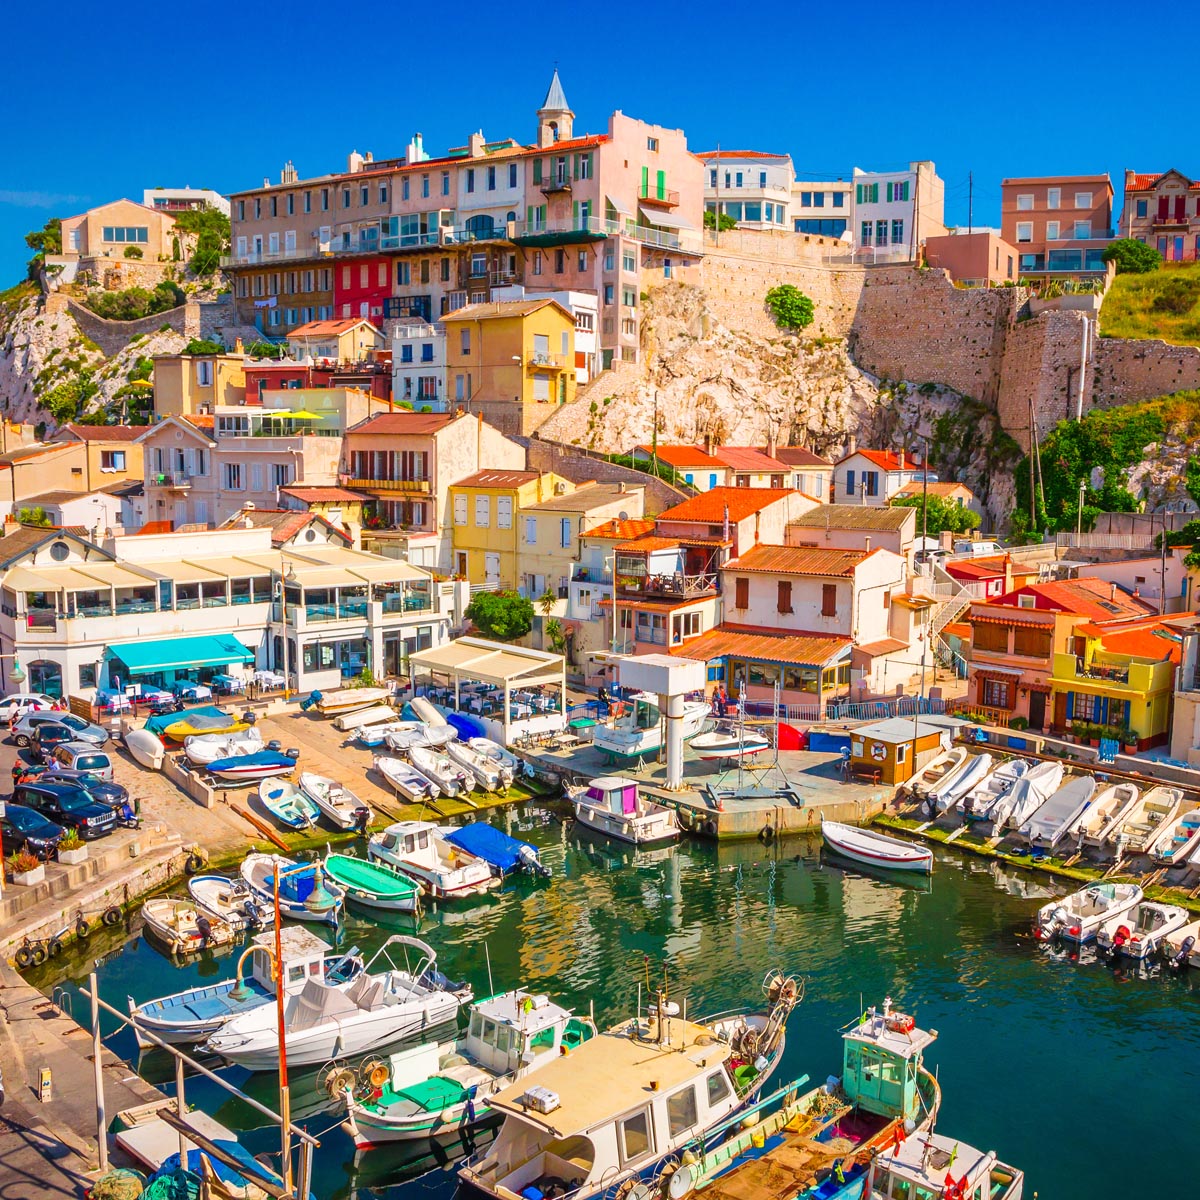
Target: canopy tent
181,653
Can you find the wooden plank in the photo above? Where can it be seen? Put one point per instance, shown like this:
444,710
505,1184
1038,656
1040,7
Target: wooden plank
211,1148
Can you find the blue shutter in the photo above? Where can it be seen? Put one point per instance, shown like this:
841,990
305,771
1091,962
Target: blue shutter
849,483
1128,713
1070,705
1103,710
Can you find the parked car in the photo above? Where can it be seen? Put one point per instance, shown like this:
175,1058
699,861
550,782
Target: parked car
48,735
977,549
20,703
26,829
73,759
106,791
69,805
85,731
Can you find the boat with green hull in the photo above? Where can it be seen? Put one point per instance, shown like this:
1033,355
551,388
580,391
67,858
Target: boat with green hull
372,884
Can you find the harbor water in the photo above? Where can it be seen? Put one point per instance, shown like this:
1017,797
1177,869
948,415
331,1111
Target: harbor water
1079,1073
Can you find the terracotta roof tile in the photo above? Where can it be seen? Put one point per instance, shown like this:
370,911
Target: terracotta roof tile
330,328
709,507
496,479
104,433
855,516
404,422
747,458
324,495
885,460
797,560
798,456
941,489
680,457
798,648
1087,597
621,531
1144,183
650,542
742,154
492,310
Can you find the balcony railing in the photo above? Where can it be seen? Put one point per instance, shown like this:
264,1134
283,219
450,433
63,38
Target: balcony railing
496,232
590,575
1099,671
651,194
559,182
677,584
388,485
41,618
542,359
406,604
179,481
346,610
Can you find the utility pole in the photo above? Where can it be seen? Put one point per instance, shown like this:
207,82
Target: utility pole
1032,493
1079,513
925,496
970,201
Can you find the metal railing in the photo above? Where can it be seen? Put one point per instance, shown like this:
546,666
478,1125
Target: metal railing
541,359
388,485
652,194
1099,671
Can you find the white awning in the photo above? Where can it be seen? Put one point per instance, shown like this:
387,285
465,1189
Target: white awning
619,206
664,220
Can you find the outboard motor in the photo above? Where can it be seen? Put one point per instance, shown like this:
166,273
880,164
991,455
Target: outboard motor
204,928
362,818
1185,950
532,863
253,914
1122,935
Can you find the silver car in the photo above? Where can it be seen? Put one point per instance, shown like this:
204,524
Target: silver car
70,760
83,730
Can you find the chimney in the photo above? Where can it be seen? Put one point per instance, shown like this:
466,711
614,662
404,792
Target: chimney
902,460
708,443
238,347
1112,593
288,174
354,162
867,543
475,145
852,444
772,443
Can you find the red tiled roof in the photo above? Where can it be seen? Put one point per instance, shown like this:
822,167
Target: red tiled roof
1145,183
798,648
987,568
797,560
323,495
709,507
797,456
621,531
153,527
741,154
650,542
917,487
200,420
886,460
326,328
1154,638
684,456
497,479
404,422
747,458
105,433
1087,597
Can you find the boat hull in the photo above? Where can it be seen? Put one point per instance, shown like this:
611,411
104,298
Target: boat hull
145,749
875,850
620,829
208,1009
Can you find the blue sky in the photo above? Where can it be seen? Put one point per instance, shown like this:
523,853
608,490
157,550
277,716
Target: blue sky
221,97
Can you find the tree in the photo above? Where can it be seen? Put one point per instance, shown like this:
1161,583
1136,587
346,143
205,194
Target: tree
133,252
47,240
724,222
790,307
33,516
211,227
941,515
204,346
503,616
1132,257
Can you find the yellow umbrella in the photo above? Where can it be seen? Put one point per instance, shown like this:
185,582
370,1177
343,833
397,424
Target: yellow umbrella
301,414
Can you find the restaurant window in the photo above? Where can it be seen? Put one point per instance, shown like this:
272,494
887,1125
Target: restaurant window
763,674
829,599
997,693
986,636
1033,643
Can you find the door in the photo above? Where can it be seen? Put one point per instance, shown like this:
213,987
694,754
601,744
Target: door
1037,710
491,569
462,563
1060,710
1178,254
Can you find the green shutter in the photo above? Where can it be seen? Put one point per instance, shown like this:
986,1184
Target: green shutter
529,216
645,182
859,193
537,170
662,185
542,213
575,214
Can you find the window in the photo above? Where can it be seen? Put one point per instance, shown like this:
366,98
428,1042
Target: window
839,199
504,512
867,193
470,179
308,202
324,199
581,260
465,340
1143,208
986,636
867,228
609,293
897,192
537,262
1025,202
483,511
531,531
564,532
1083,199
685,625
718,1089
291,204
232,478
281,474
629,297
445,183
560,261
881,233
460,506
997,693
897,233
112,460
829,599
635,1136
741,593
126,233
681,1112
345,197
1051,231
1083,229
1024,231
427,352
1034,643
241,210
406,353
364,195
1084,707
784,602
651,143
1054,197
871,479
274,206
204,373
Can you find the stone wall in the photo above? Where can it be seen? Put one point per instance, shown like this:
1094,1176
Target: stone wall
1041,364
1127,371
113,336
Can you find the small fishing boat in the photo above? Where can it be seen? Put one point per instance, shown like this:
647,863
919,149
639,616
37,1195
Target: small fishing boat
936,769
178,926
250,768
502,853
408,734
371,736
146,748
876,849
508,764
419,850
936,1165
947,791
1178,839
193,1015
1048,824
1077,917
343,808
1143,821
440,770
1140,932
204,748
728,741
1182,947
613,805
405,780
424,710
1105,811
372,884
360,718
229,900
486,776
287,804
196,723
635,725
304,895
345,700
441,1089
326,1020
1027,795
979,801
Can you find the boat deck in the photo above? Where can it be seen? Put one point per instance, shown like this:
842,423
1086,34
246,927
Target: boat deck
211,1002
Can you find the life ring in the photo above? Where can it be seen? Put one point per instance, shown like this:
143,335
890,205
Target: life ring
112,916
195,862
617,708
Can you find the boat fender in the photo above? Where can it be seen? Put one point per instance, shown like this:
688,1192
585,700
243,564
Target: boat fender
54,946
710,828
766,833
82,930
24,957
195,862
112,916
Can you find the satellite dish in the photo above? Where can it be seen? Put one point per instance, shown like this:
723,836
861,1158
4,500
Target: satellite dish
622,515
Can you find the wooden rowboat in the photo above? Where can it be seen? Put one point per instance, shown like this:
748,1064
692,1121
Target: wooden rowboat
876,849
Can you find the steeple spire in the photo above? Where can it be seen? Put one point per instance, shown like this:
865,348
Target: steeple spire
555,117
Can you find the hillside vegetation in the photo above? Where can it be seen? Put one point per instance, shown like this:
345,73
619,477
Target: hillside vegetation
1158,304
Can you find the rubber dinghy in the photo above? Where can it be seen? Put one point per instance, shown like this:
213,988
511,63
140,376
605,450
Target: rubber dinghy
876,849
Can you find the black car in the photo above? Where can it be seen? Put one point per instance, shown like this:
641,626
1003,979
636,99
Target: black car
26,828
69,805
47,736
100,789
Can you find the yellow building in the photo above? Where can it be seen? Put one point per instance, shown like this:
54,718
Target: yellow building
111,454
513,361
486,544
186,384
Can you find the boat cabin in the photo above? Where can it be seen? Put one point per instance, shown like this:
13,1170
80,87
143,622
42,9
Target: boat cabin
303,955
618,1104
881,1064
517,1029
617,794
417,842
928,1165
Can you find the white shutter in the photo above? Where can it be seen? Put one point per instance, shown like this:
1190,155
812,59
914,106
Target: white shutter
503,512
483,511
531,531
460,510
256,477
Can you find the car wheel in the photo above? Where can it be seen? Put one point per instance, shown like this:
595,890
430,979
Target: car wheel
22,739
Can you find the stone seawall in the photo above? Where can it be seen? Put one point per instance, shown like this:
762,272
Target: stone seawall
114,336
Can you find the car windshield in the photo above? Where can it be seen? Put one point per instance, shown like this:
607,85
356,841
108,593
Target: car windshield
25,821
91,762
74,801
73,721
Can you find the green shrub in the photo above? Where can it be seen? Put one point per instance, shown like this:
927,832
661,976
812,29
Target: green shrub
725,222
133,252
134,303
204,346
1132,257
790,307
1178,295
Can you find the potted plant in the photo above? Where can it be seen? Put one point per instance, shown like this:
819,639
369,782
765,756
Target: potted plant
27,869
1129,740
71,848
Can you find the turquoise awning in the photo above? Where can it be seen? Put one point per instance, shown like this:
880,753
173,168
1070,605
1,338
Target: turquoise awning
181,653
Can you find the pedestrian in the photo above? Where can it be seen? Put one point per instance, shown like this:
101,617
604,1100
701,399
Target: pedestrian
722,701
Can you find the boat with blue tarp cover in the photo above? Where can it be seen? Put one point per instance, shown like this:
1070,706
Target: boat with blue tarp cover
504,854
304,895
250,768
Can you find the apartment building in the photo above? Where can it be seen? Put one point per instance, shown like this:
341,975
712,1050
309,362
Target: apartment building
1059,224
111,230
583,306
752,187
1164,212
856,527
895,211
565,213
184,199
810,473
826,209
981,258
874,476
419,365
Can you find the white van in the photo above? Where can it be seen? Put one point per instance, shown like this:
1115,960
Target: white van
978,549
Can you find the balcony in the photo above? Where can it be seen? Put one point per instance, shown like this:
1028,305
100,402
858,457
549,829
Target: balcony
593,575
496,232
419,486
1100,671
658,197
560,181
674,586
541,361
174,481
562,233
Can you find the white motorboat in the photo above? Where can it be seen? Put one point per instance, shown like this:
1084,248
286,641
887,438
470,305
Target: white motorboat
1141,931
729,741
1049,822
326,1020
338,804
509,765
614,806
952,786
181,928
441,1089
440,770
444,871
936,769
1182,948
876,849
250,768
1108,808
304,894
407,734
205,748
1178,839
487,776
197,1013
1144,821
635,726
230,900
1077,917
977,804
146,748
405,780
1027,795
344,700
358,718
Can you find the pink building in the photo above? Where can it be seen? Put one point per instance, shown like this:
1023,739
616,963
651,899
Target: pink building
982,258
1164,212
1060,224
